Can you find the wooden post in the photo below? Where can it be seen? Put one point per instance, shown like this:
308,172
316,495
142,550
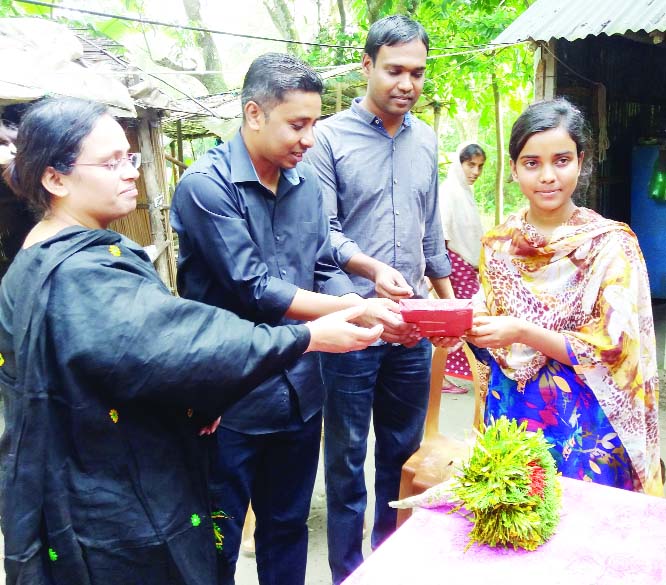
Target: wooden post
175,172
550,87
179,140
545,72
156,198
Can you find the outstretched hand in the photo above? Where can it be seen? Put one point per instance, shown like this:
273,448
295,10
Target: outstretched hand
334,334
387,313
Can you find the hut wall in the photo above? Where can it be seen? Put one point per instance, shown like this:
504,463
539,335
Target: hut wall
136,225
149,222
634,76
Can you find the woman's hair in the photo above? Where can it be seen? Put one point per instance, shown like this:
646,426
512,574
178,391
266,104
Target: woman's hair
470,151
547,115
50,135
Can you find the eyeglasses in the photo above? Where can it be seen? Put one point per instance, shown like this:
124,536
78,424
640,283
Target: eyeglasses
133,158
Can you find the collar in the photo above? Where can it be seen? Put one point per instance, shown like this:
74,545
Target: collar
242,169
369,118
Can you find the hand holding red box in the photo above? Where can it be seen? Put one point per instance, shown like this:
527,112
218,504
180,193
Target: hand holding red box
438,317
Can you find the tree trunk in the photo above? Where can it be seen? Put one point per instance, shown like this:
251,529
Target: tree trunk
499,139
205,42
343,15
407,7
437,119
283,20
374,9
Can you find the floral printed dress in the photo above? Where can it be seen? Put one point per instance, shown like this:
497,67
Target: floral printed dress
589,283
584,443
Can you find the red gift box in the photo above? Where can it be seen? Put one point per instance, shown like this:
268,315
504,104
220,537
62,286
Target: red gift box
438,317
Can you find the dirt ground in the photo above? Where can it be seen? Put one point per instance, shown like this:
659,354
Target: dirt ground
455,419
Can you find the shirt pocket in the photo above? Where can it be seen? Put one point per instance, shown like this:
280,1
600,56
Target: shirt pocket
308,231
308,244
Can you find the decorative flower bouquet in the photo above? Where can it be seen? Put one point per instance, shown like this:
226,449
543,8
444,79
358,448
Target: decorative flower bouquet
508,488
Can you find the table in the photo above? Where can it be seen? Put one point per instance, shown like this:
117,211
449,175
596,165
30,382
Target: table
606,536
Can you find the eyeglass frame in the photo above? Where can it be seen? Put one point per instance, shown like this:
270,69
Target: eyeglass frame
133,158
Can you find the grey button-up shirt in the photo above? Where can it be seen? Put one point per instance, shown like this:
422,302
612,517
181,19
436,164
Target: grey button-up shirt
380,193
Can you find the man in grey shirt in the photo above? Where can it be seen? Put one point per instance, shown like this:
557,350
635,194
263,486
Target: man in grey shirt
378,166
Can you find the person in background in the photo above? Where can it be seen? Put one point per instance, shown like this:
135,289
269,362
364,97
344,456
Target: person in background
15,219
462,230
107,380
564,314
254,239
378,166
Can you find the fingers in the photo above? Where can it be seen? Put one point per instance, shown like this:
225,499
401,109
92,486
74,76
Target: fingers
365,337
372,334
347,314
393,285
395,323
481,320
393,292
453,343
386,303
408,340
211,428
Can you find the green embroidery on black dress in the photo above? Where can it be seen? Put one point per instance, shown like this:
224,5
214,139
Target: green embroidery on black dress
217,531
53,555
220,514
113,413
195,520
219,537
2,360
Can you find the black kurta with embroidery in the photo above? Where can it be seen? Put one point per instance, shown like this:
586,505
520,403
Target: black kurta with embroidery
106,380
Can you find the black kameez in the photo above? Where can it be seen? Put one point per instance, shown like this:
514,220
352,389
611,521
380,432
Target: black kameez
107,379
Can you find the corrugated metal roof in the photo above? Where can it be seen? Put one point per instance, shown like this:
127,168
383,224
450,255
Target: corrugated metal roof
576,19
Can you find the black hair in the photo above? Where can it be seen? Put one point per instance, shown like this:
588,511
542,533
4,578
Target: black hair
470,151
550,114
272,75
396,29
50,135
546,115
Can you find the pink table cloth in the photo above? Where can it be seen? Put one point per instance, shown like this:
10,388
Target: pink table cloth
606,536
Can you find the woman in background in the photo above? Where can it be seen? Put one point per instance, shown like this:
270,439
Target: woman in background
565,314
462,231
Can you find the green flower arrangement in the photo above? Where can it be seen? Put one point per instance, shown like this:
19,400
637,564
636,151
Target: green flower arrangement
509,487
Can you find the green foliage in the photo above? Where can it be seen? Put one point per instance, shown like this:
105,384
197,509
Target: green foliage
9,8
510,486
459,75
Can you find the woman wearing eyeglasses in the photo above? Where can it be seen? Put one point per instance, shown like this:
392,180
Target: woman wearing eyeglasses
108,381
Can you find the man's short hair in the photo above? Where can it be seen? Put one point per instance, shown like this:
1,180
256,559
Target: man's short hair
396,29
272,75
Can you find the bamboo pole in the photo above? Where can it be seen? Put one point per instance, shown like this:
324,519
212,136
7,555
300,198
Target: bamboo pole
179,142
155,195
